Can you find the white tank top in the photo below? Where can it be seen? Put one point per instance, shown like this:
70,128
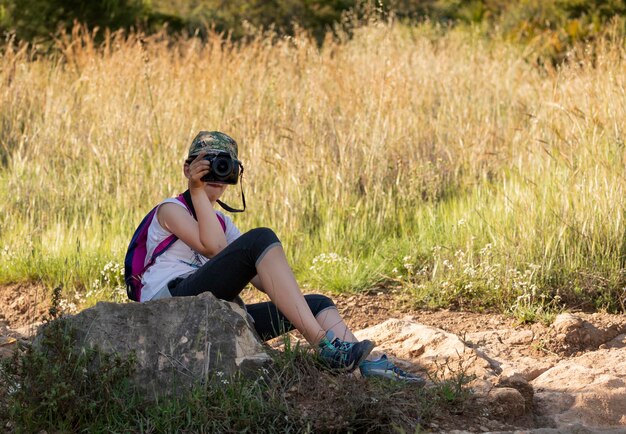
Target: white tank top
179,260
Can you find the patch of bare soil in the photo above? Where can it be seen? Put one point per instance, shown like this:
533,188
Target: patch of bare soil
22,308
368,309
23,304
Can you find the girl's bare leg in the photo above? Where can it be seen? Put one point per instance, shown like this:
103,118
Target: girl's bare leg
280,285
329,319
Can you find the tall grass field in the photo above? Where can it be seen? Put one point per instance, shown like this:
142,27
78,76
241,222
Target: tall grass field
453,169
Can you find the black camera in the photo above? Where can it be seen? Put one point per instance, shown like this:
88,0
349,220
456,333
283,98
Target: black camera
224,169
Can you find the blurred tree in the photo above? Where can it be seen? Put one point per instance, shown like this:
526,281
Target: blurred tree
31,19
551,23
317,16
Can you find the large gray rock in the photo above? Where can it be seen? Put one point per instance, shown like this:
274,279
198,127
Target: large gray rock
176,341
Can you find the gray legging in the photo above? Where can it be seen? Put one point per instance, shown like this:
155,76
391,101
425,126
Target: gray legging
228,273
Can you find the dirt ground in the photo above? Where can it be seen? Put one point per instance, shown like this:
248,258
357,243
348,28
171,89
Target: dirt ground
23,306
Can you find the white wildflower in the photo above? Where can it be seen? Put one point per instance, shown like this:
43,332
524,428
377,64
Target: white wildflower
328,258
486,250
469,271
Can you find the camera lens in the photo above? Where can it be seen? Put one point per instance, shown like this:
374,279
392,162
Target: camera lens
222,166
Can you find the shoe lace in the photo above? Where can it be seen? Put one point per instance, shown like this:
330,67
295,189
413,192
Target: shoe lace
399,372
337,352
343,346
403,374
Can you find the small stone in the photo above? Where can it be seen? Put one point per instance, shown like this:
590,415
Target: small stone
480,387
416,352
523,337
509,401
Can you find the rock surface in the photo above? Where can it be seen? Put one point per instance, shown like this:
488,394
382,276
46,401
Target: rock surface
576,334
581,394
425,348
176,341
499,344
589,389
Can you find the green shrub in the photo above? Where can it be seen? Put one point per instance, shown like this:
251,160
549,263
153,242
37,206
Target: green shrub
59,390
56,388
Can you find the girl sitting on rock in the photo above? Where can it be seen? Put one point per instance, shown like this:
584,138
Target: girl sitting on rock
211,254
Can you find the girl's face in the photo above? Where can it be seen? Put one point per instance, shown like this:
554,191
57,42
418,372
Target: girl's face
214,191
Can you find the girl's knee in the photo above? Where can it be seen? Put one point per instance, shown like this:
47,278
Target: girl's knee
261,241
263,236
318,303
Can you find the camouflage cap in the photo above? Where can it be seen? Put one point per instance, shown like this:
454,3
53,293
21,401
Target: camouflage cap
213,141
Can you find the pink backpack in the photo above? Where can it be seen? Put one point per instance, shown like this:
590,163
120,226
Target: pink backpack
135,263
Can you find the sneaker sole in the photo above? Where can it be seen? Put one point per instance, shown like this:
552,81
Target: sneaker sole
379,373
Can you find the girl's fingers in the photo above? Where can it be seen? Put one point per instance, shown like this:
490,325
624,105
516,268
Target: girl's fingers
198,168
199,174
201,165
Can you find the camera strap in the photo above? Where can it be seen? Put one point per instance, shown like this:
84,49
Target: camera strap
243,197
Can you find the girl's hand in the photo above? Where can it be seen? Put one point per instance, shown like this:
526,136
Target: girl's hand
197,170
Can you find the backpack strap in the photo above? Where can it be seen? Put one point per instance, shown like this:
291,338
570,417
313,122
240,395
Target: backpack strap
160,249
166,243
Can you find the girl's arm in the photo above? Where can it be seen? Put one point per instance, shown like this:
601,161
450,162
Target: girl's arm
205,235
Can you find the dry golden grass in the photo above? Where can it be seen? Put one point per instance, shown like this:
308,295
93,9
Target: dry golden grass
375,147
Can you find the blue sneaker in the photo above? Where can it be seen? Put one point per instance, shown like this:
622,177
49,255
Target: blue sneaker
385,369
343,356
